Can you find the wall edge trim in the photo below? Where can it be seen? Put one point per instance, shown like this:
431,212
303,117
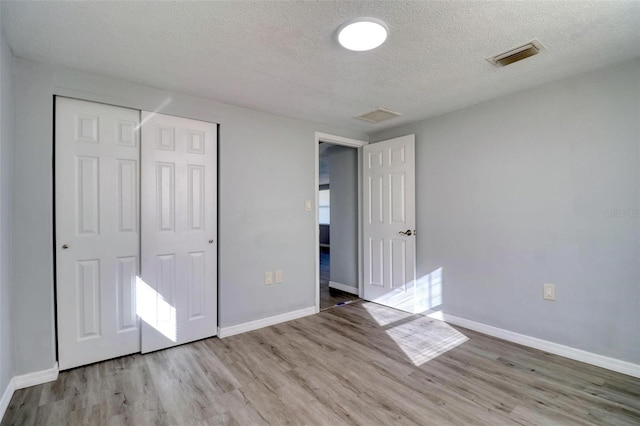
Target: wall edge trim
343,287
6,397
265,322
613,364
36,378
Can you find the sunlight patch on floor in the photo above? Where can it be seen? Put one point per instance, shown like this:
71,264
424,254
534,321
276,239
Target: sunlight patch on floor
419,337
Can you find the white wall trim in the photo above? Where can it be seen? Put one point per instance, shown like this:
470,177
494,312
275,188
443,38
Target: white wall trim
24,381
343,287
612,364
265,322
339,140
6,397
36,378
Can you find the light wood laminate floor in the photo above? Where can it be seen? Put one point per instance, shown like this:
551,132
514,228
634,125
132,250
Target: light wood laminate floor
357,364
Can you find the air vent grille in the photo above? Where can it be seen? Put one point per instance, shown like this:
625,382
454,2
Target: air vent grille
516,54
378,115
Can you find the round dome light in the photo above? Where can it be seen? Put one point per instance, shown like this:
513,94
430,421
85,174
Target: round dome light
362,34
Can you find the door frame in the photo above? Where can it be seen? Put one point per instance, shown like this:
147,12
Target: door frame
352,143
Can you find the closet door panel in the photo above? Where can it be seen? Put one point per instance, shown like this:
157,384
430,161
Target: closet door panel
97,236
178,244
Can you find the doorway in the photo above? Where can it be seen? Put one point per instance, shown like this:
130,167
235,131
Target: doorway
338,201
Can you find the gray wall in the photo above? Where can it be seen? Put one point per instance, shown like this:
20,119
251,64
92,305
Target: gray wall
266,173
6,160
343,169
523,190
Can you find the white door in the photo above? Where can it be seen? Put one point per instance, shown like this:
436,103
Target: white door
389,242
97,231
177,295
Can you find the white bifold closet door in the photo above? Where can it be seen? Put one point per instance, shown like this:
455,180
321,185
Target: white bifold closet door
97,231
178,290
135,231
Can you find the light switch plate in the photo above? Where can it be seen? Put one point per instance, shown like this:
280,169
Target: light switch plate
268,278
279,277
549,291
307,205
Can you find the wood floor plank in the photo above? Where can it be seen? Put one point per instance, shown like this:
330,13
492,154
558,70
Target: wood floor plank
23,407
359,364
240,410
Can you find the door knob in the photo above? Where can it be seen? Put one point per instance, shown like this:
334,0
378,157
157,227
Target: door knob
408,232
65,246
210,241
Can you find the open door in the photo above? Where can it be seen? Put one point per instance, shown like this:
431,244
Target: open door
389,229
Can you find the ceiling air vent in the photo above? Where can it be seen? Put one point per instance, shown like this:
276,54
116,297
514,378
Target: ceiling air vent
516,54
377,115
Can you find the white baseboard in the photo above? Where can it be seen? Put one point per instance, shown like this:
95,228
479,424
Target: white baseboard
265,322
343,287
24,381
36,378
612,364
6,397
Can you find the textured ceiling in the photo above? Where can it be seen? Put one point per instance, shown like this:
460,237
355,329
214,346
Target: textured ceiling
281,57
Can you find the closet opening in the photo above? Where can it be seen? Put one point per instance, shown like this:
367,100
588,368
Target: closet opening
135,211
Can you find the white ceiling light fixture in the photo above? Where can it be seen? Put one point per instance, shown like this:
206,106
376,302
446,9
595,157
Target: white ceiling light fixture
361,34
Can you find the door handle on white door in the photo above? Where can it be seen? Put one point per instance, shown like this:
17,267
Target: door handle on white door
210,241
408,232
65,246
